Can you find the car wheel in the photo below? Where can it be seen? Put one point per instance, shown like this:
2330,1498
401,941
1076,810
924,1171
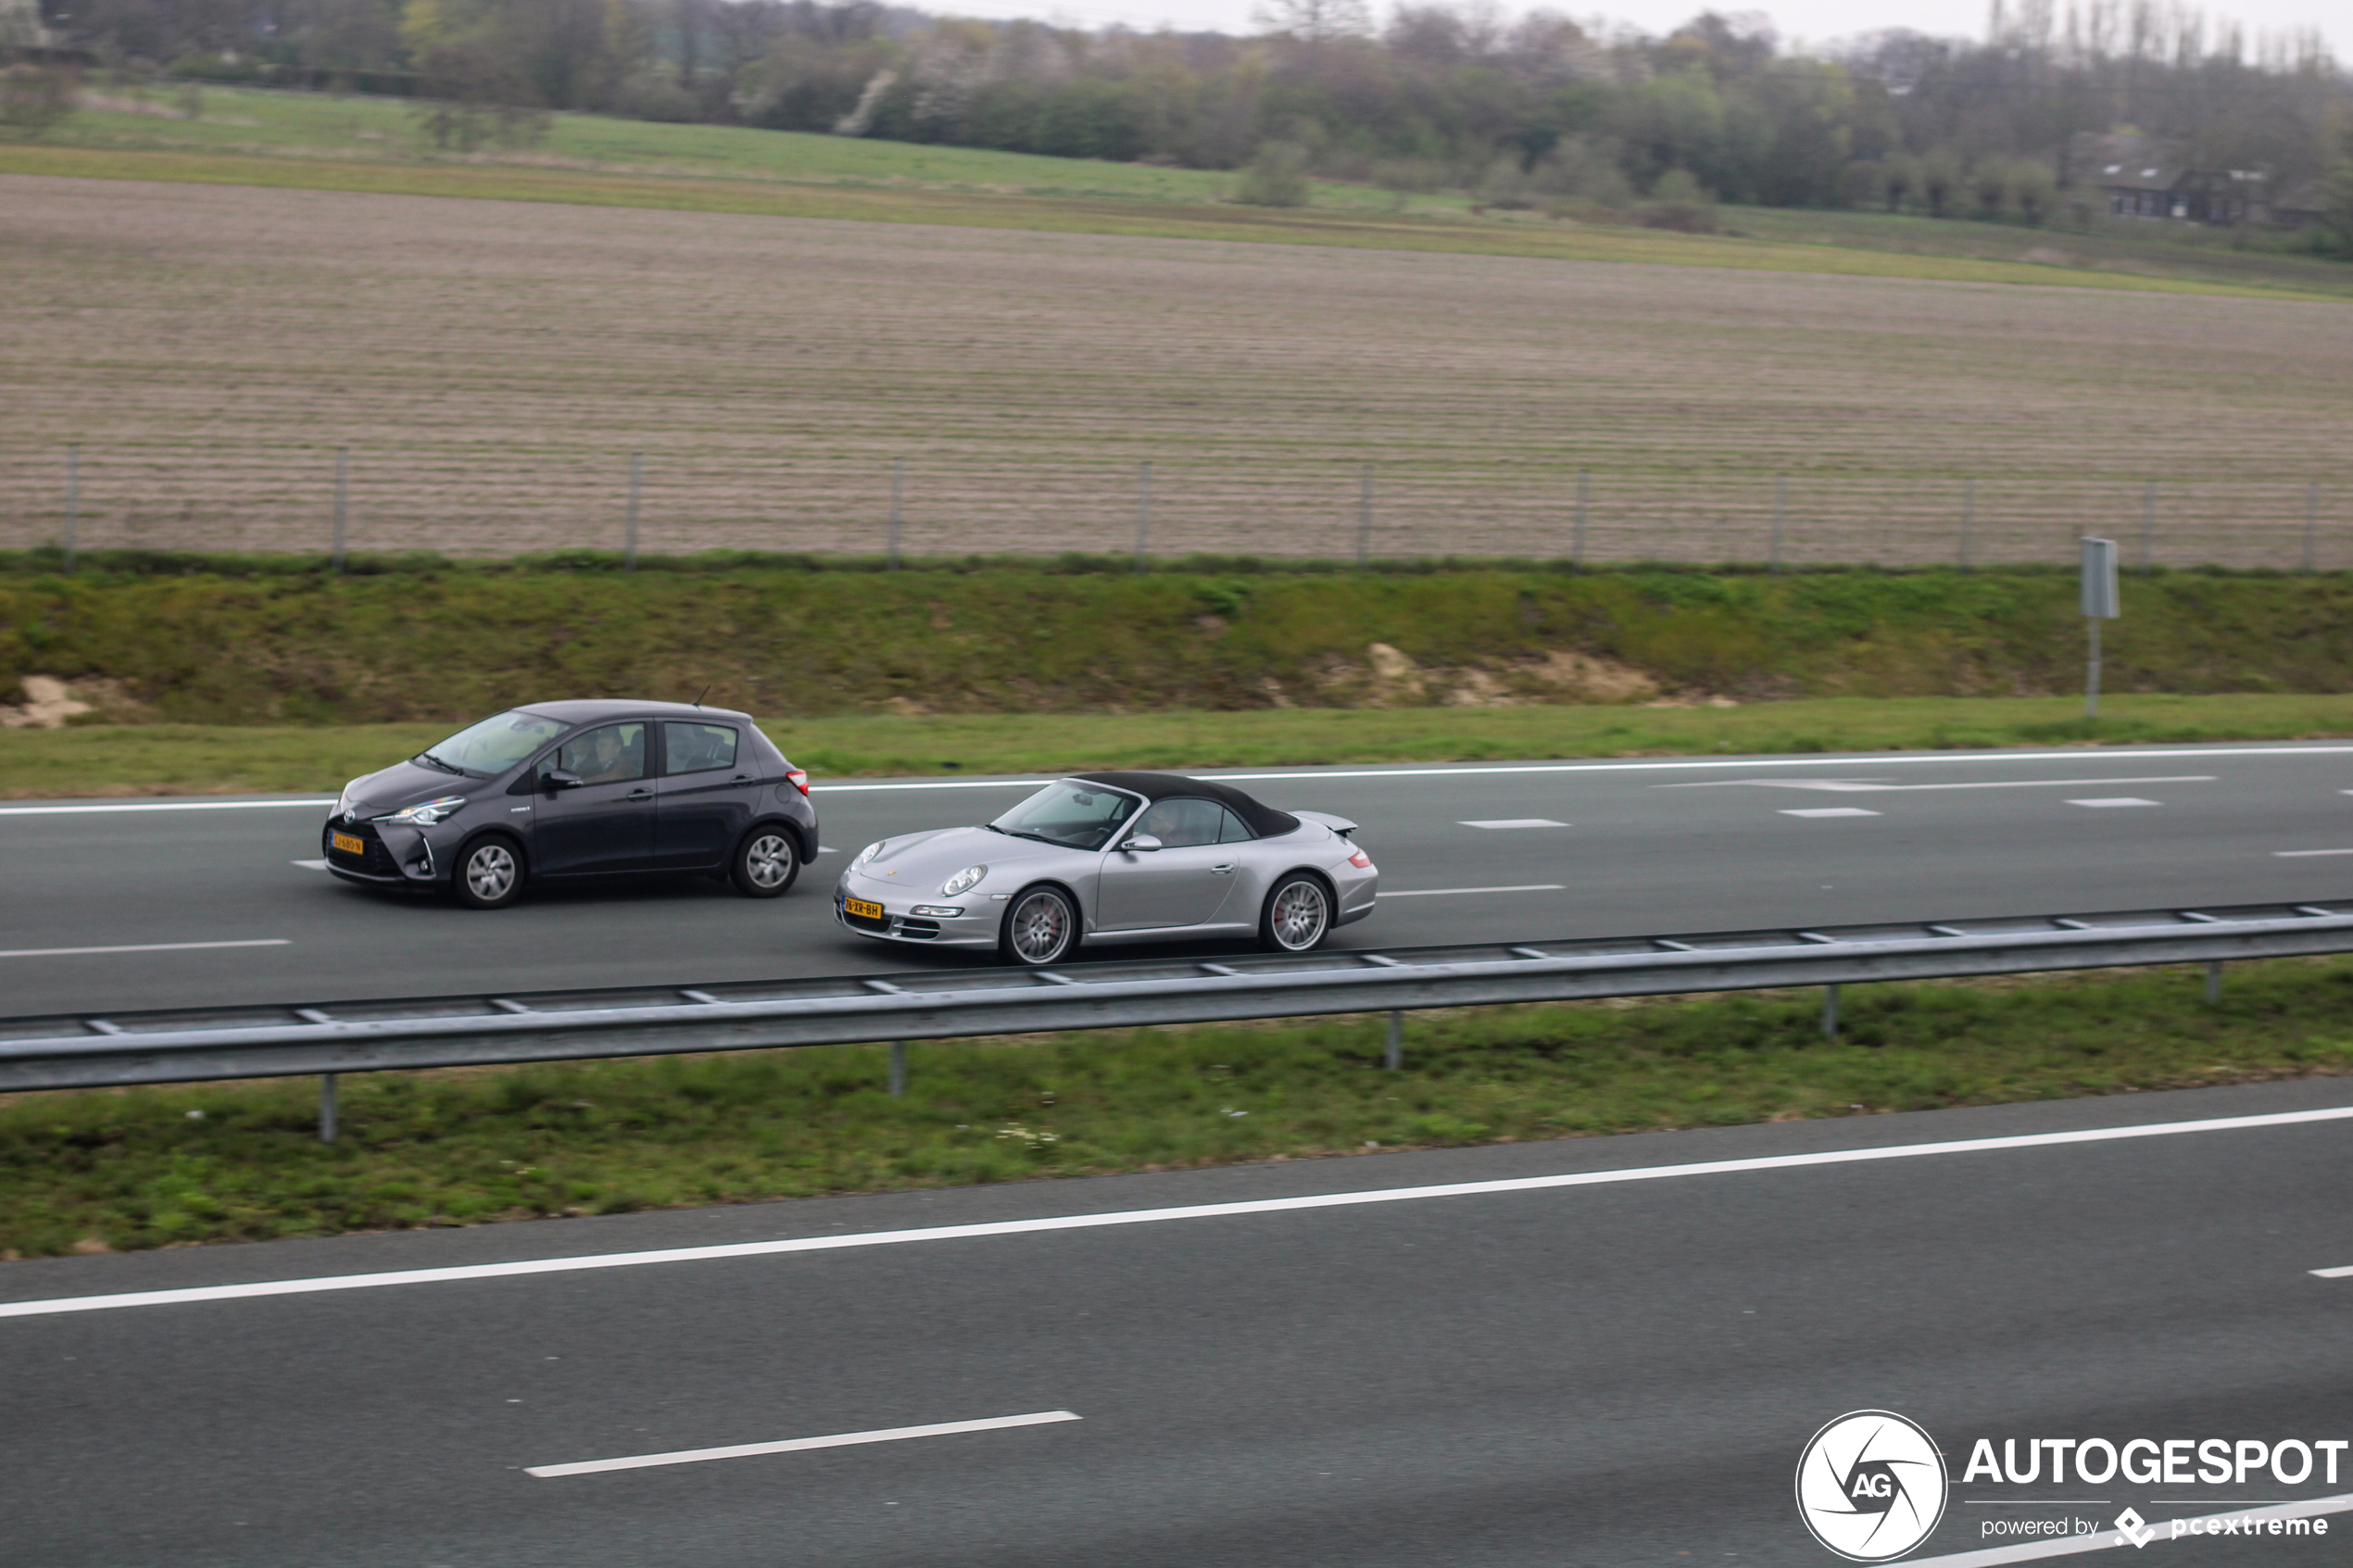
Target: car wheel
1042,927
490,877
765,865
1297,915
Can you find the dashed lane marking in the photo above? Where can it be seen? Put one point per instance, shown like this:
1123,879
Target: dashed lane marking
802,1444
1827,811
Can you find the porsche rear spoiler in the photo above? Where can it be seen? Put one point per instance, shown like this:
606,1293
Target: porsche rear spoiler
1339,825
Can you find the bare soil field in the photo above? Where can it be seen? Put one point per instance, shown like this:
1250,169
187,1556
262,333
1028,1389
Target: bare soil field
493,366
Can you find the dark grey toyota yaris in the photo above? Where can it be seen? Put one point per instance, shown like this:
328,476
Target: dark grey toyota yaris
559,791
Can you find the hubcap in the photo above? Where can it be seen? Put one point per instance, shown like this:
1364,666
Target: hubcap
1041,925
490,872
768,861
1299,915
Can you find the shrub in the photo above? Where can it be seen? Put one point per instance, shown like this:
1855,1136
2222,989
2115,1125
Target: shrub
1277,177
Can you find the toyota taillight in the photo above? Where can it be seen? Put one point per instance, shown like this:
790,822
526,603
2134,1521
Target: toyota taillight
800,777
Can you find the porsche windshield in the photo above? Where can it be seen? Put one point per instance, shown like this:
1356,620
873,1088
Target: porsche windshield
489,748
1077,816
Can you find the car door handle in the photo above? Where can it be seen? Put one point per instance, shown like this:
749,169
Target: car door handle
1226,870
639,795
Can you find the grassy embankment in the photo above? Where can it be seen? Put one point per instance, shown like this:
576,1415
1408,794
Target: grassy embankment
251,137
262,677
149,1168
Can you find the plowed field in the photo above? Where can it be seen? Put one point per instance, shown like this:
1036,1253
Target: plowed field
491,367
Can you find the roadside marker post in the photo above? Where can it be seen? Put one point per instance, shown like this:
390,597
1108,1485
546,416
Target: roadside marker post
2101,602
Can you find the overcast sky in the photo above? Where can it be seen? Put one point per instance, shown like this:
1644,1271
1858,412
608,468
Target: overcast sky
1814,21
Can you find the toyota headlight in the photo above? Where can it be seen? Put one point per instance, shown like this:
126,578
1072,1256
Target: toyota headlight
866,853
343,801
964,881
425,815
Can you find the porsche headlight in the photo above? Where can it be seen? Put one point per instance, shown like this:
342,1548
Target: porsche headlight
964,881
866,853
430,812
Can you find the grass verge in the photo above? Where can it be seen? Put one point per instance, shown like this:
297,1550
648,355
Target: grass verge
93,1171
106,759
1077,215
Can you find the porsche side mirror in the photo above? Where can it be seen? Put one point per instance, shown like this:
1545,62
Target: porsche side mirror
557,779
1143,843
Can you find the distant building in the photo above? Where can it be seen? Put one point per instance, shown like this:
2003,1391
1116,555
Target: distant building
2149,177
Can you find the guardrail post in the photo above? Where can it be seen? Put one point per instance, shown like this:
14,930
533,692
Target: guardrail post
1394,1058
326,1108
2214,982
897,1069
1830,1012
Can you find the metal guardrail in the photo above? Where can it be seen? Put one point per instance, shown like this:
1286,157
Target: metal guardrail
367,1036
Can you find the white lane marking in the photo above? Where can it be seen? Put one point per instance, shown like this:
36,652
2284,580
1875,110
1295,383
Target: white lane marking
159,806
1827,811
2299,854
144,947
310,865
1857,785
801,1445
2161,1530
1877,759
1500,822
2334,1274
2113,800
1450,892
1150,1216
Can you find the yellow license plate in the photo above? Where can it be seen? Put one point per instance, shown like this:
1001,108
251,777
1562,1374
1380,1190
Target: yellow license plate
347,844
860,907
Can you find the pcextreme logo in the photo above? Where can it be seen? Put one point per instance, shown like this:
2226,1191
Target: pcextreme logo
1871,1485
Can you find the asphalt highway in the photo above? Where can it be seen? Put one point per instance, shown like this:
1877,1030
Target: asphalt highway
108,908
1617,1375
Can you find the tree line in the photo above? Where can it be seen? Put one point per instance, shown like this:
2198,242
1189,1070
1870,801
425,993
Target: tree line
1521,110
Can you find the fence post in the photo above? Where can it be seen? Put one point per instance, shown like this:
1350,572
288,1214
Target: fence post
897,1069
1781,504
1830,1012
1968,516
326,1108
897,482
1364,517
2311,520
73,500
1394,1058
2149,526
1576,540
343,499
1143,513
636,487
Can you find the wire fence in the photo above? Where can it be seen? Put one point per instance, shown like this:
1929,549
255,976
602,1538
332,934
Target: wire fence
468,503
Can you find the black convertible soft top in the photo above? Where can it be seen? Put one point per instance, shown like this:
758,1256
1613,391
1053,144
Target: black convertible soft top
1260,819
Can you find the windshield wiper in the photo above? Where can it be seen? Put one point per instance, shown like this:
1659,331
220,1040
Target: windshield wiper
992,827
429,760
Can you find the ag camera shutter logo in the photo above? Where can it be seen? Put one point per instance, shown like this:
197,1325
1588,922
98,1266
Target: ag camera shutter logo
1871,1485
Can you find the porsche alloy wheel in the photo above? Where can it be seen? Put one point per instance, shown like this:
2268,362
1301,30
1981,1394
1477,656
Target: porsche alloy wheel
1297,915
1040,928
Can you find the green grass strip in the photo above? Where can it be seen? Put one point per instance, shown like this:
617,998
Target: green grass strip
1080,216
108,759
91,1171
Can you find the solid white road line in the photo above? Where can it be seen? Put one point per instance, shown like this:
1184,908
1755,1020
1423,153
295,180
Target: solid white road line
1848,786
1450,892
2117,800
1500,822
798,1445
143,948
159,806
1827,811
2334,1274
1870,760
2107,1540
1150,1216
2300,854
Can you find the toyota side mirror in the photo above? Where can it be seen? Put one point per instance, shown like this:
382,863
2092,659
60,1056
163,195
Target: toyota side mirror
1143,843
558,779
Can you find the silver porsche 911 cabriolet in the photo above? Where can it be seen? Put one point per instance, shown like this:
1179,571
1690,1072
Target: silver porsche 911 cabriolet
1105,858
